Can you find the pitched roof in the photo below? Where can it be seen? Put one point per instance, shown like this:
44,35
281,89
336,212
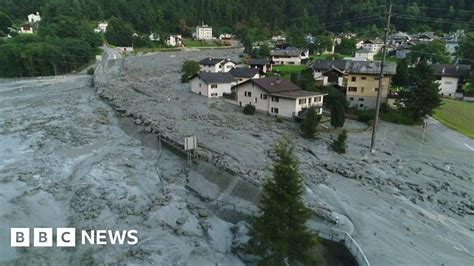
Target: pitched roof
244,72
275,85
297,94
258,62
328,64
287,52
212,61
461,71
368,67
220,77
355,67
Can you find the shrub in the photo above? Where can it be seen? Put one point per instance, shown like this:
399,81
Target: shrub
279,120
90,71
339,144
249,109
184,78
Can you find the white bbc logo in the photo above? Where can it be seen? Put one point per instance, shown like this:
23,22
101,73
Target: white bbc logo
42,237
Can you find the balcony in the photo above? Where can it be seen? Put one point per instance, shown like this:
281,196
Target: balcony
230,96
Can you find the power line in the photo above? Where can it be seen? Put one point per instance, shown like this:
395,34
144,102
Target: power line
437,8
435,20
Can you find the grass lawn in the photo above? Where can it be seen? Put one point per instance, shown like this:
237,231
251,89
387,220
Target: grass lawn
457,115
286,70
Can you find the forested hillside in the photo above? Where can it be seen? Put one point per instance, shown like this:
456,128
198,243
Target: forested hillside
251,20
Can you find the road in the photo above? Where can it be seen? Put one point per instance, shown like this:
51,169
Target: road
111,54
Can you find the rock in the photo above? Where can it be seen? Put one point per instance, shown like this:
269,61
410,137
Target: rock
138,122
203,213
180,220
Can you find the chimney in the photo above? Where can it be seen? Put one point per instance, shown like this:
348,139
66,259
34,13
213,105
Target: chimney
457,67
443,70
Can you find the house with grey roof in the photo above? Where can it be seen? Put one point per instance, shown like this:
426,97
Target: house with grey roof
216,65
243,74
277,96
359,78
263,65
212,85
451,78
364,54
290,56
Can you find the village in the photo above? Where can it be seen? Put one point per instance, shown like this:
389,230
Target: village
385,172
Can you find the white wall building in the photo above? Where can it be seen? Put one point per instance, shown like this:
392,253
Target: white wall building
26,29
216,65
289,56
373,46
451,78
276,96
204,32
212,85
364,55
174,41
33,18
101,27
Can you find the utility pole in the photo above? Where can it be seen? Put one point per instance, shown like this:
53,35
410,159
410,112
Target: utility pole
381,77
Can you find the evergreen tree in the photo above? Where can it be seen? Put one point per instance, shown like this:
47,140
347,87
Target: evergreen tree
279,235
402,78
347,47
310,123
339,144
5,23
338,116
119,33
189,69
423,97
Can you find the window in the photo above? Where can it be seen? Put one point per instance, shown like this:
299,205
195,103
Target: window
361,99
200,84
352,98
248,93
376,89
353,89
213,86
302,101
354,79
309,100
362,90
255,99
376,78
275,99
263,96
274,110
363,78
214,94
448,82
361,105
317,99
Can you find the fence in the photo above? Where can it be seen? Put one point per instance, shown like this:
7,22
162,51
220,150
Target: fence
343,237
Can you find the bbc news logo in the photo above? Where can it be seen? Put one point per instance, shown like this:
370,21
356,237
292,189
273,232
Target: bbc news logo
66,237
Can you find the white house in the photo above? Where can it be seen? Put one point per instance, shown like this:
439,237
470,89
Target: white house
279,39
277,97
364,55
212,85
33,18
26,29
216,65
154,37
101,27
451,78
374,46
174,41
289,56
243,74
204,32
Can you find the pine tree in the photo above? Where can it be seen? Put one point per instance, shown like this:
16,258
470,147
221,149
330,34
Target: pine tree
338,115
310,123
421,99
339,144
402,78
279,234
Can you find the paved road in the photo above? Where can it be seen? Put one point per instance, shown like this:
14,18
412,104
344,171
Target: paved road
111,54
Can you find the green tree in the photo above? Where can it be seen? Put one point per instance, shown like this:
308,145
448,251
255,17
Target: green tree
119,33
347,46
324,43
465,50
5,23
310,123
338,115
279,235
434,51
339,144
423,97
189,69
402,78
